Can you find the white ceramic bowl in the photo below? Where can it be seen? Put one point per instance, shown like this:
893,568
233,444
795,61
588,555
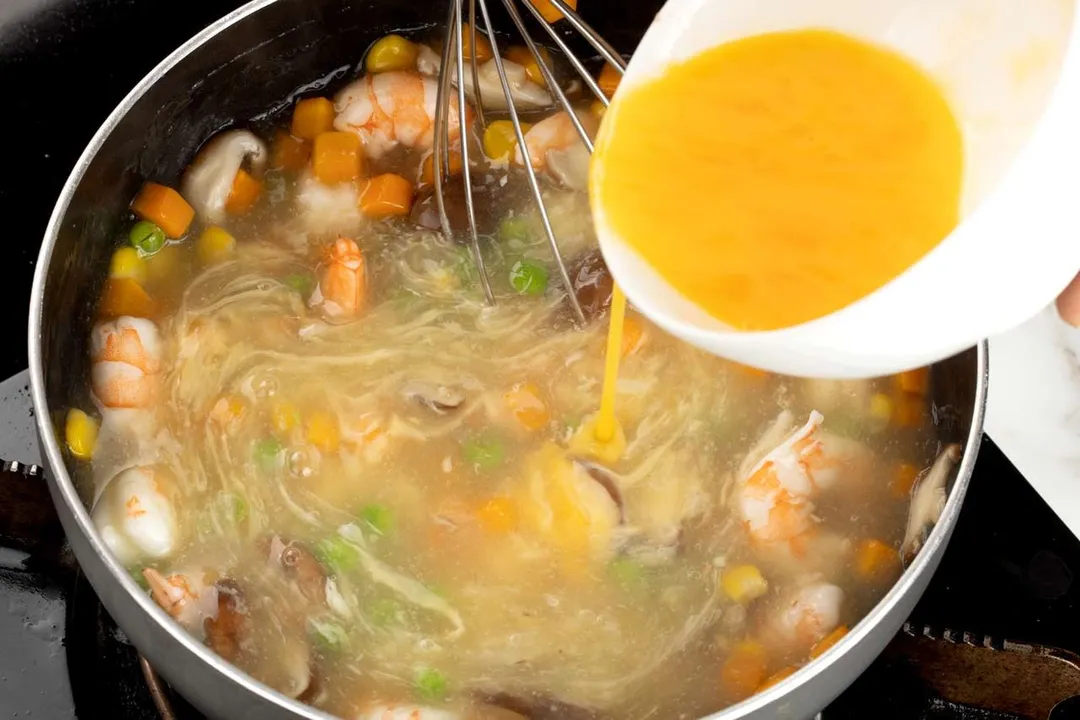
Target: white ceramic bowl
1011,72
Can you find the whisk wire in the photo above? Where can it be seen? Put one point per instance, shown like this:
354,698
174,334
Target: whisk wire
526,159
453,52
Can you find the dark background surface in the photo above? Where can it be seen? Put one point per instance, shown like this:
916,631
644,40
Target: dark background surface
64,64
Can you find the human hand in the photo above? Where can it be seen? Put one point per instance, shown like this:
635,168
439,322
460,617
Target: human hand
1068,302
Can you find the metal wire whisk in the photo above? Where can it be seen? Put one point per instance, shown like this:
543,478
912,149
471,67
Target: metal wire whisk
453,49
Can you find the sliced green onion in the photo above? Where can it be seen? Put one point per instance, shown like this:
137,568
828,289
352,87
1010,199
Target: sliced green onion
327,634
430,684
384,611
379,518
528,277
146,237
337,554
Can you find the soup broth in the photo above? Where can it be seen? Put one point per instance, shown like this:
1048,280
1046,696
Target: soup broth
327,457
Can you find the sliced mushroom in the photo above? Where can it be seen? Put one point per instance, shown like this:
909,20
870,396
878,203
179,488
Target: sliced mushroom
440,398
607,480
209,179
592,285
225,632
526,94
300,566
927,502
538,707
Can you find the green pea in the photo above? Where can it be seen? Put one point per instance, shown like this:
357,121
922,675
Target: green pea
528,277
268,454
337,554
430,684
379,518
484,452
516,227
230,508
627,573
303,284
328,635
240,509
139,578
147,237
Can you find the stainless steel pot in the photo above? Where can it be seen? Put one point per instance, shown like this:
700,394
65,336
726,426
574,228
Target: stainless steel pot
234,71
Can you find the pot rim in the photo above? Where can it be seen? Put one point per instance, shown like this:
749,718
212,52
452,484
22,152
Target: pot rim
62,484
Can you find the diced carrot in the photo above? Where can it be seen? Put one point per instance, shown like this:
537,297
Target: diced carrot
228,410
525,402
910,410
609,79
322,431
776,677
903,480
757,375
164,207
483,45
549,11
336,157
312,117
876,561
744,669
914,381
633,335
289,153
428,178
822,645
368,427
524,57
244,193
498,515
386,195
124,296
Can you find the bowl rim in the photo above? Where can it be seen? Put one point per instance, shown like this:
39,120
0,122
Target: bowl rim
65,488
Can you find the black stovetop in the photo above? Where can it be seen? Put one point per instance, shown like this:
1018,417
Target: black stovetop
64,64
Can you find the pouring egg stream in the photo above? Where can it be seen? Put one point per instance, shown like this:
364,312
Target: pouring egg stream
780,177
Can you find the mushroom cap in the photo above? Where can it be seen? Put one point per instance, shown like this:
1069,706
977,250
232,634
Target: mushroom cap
209,179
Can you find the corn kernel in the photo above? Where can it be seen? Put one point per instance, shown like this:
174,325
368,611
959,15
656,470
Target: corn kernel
598,109
214,245
80,434
390,53
584,442
743,583
427,177
284,417
881,411
126,263
322,431
500,140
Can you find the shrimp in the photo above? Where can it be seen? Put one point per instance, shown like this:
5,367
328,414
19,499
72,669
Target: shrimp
135,516
404,712
808,614
126,357
342,289
555,146
776,494
392,108
187,597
